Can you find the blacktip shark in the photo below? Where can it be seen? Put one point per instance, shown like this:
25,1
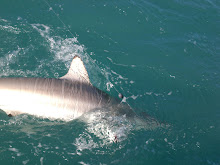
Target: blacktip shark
65,98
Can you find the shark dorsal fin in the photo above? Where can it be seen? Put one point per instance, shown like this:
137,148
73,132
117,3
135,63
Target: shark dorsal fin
77,71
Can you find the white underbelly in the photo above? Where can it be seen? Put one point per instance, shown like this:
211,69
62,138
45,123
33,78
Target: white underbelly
17,102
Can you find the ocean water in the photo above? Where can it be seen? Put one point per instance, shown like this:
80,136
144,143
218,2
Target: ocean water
163,56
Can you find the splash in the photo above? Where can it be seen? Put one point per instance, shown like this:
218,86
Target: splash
103,129
12,58
7,27
109,126
63,49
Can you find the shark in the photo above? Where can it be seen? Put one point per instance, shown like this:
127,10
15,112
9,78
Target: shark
70,97
65,98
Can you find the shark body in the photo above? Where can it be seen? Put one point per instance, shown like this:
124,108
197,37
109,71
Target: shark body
66,98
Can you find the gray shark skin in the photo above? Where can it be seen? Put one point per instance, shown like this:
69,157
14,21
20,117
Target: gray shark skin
66,98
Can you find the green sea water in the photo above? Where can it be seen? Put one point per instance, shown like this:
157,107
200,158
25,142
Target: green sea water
163,56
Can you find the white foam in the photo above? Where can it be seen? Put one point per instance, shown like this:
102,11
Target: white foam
170,93
117,63
149,141
25,162
11,58
42,29
16,151
19,18
10,29
41,160
83,163
63,49
148,93
108,128
13,149
109,85
3,20
134,97
172,76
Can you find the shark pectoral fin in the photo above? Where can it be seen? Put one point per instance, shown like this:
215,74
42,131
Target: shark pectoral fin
77,71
